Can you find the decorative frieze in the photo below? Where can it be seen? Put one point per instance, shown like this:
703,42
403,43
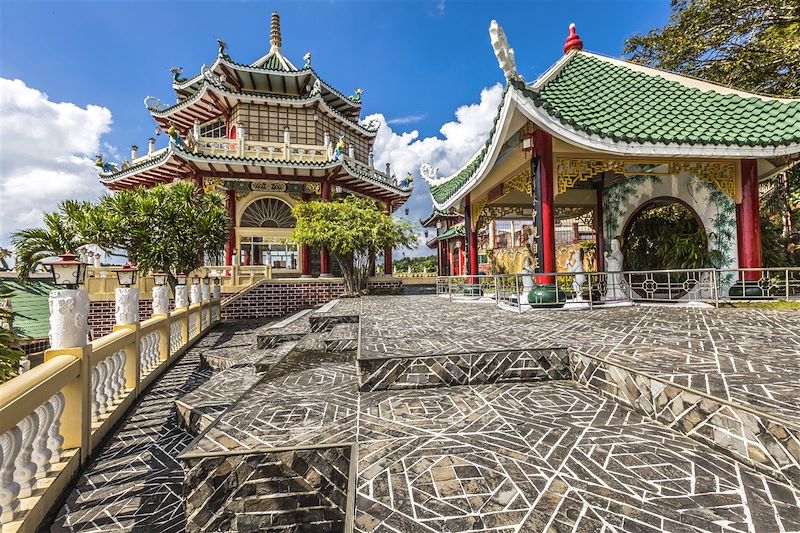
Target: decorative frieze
69,312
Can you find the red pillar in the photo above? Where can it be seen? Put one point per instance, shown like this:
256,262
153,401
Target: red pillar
324,256
472,238
748,221
230,204
305,252
387,253
600,242
543,144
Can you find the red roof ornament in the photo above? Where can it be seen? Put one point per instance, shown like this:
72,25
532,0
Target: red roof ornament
573,41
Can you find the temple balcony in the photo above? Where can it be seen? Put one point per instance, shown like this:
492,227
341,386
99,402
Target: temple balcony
250,149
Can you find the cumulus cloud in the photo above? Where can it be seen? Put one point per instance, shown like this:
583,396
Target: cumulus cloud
47,154
459,141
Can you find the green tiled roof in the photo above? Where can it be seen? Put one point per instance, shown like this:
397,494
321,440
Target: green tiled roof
29,302
442,193
618,102
604,98
273,63
455,231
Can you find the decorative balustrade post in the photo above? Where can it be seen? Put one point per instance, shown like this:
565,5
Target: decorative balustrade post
195,311
181,297
126,312
161,310
69,313
160,300
10,444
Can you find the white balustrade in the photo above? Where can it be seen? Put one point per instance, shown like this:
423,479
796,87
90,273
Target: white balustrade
108,383
192,325
174,337
10,445
148,351
27,453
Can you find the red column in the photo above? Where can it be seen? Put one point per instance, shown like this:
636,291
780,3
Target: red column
472,238
387,253
324,256
230,204
305,252
748,221
543,144
600,242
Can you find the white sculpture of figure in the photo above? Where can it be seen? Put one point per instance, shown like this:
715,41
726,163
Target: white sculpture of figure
160,300
614,269
431,174
97,260
527,278
69,312
205,292
503,52
181,297
576,267
194,294
126,306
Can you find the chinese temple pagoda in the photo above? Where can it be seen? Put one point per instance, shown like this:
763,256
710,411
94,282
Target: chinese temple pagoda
267,135
607,138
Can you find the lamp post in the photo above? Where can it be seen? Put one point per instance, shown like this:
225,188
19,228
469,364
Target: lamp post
194,294
126,298
69,305
181,292
160,293
217,290
205,289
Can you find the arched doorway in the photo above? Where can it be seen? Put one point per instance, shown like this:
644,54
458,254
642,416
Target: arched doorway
665,233
264,226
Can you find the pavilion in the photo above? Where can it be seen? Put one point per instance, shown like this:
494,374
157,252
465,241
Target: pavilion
607,138
267,135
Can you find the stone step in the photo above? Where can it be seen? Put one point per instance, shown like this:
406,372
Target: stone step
756,429
335,312
292,328
342,338
200,407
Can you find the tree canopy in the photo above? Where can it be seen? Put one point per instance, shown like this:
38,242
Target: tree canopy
354,230
167,227
749,44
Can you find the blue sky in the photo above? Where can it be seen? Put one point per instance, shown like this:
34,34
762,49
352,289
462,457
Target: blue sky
417,61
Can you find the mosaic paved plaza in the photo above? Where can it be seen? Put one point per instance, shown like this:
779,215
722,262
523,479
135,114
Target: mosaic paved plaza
412,413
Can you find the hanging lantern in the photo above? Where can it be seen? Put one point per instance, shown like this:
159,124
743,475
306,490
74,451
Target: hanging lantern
526,140
206,280
68,272
127,275
196,280
160,278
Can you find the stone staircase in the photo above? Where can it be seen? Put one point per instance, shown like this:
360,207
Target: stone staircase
279,444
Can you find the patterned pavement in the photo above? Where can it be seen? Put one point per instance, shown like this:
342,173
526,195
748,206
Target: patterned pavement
498,456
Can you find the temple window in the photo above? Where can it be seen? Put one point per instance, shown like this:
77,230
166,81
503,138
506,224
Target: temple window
215,129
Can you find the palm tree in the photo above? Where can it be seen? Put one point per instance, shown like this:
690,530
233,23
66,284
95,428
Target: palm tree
10,354
5,254
60,234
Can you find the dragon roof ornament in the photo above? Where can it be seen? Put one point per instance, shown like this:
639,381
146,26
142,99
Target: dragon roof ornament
503,52
431,174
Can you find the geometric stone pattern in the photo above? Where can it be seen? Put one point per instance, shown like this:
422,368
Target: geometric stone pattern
135,481
342,337
464,369
510,456
292,490
755,438
547,456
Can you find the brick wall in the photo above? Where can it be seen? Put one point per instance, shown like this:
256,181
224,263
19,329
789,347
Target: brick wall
276,299
102,320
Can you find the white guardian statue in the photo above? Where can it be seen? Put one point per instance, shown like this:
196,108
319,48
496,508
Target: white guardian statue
431,174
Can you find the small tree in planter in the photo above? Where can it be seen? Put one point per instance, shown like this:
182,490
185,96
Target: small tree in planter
354,230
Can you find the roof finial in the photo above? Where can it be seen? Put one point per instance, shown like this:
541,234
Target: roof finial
275,32
573,41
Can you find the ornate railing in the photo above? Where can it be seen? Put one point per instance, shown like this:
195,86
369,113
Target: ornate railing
53,416
588,289
262,150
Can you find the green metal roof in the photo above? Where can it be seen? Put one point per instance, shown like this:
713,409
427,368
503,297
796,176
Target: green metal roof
609,99
455,231
618,101
30,303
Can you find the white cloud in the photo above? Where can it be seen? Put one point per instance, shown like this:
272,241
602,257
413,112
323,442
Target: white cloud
47,152
459,141
407,119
